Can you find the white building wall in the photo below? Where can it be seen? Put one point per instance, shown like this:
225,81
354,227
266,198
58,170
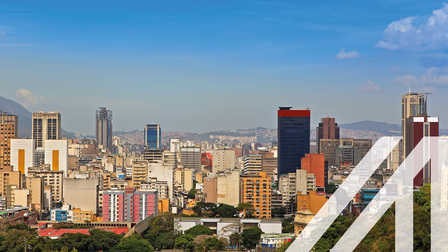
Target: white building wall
62,147
162,173
28,146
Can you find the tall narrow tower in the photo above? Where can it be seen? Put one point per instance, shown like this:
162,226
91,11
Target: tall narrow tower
153,136
8,131
293,138
104,128
327,129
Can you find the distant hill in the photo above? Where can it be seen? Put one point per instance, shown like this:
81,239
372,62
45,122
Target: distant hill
379,127
25,117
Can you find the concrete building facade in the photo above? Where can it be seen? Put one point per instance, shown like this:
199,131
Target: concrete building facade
22,154
46,126
8,131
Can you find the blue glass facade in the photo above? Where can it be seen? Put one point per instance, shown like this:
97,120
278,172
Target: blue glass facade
293,139
153,136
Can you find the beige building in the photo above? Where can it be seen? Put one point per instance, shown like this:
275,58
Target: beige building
292,184
185,177
162,173
36,187
82,193
211,188
228,190
46,126
20,197
160,186
8,130
8,177
252,164
56,155
223,159
118,184
139,173
51,178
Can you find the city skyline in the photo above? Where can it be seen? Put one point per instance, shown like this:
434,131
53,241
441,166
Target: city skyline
146,59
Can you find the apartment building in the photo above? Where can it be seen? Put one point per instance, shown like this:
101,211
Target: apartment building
256,190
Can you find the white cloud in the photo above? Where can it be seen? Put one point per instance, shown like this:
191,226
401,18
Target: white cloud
433,77
29,100
396,69
369,87
342,55
418,34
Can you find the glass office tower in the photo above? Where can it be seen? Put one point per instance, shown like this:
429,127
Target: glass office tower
153,136
293,138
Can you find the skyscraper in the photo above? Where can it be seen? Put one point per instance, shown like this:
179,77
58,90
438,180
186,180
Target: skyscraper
103,131
293,138
417,128
46,126
153,136
327,129
8,131
412,104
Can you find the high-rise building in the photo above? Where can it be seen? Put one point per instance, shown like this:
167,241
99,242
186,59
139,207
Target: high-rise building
329,147
228,191
46,126
190,157
252,164
8,130
224,159
315,163
9,177
139,173
327,129
22,154
184,176
103,131
417,128
53,179
153,136
129,205
412,104
256,190
293,138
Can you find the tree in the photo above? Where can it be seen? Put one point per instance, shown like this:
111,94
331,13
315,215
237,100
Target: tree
163,223
247,208
205,209
15,240
226,211
184,242
251,237
278,212
199,230
19,226
133,246
287,225
331,188
213,243
192,192
235,240
166,240
199,240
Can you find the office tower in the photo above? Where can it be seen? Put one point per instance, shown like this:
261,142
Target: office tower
46,126
8,130
269,164
256,190
329,147
153,136
190,157
417,128
22,154
129,205
315,163
327,129
103,131
293,138
252,164
412,104
224,159
56,155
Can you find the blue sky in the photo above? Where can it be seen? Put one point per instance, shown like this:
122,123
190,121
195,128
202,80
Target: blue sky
202,65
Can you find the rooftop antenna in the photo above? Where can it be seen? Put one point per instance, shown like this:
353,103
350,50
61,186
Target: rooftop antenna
308,108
